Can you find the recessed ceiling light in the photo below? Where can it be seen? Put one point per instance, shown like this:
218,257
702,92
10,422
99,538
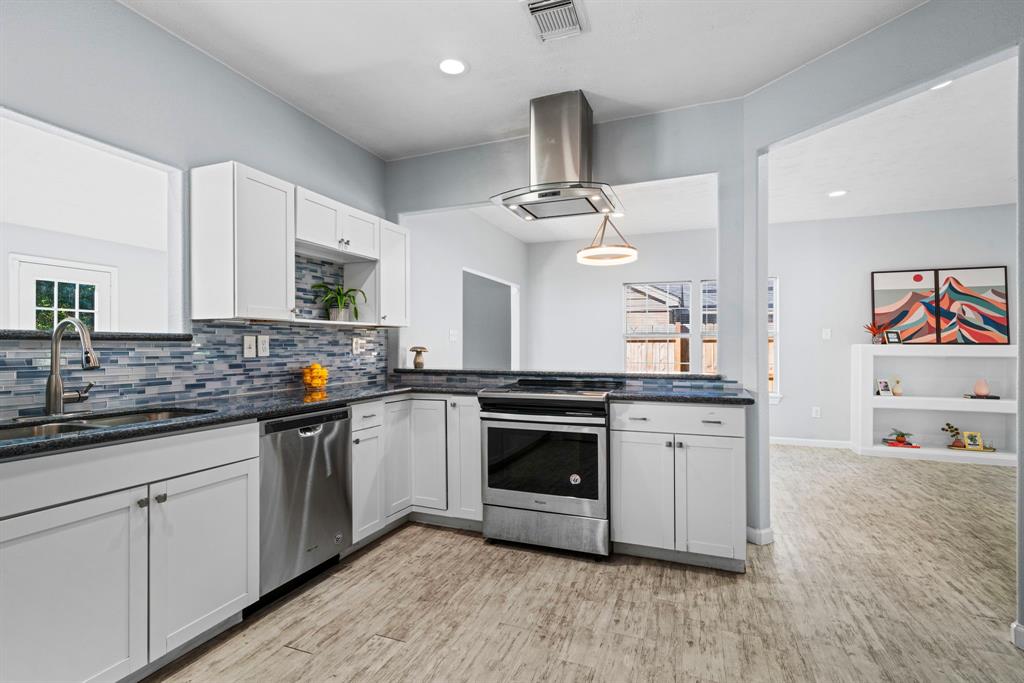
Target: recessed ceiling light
452,67
837,193
527,218
618,214
940,86
513,207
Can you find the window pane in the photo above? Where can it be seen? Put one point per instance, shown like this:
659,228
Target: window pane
66,295
658,355
44,293
64,314
87,298
657,308
44,320
709,308
89,319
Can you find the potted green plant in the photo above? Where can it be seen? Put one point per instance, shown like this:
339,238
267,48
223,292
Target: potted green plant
340,302
954,434
899,436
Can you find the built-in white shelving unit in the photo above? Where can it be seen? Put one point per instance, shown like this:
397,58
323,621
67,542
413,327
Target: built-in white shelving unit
934,379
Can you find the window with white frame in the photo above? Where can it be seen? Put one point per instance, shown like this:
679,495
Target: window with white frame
45,291
657,326
709,330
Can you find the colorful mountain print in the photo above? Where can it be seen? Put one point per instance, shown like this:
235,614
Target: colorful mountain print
973,307
905,301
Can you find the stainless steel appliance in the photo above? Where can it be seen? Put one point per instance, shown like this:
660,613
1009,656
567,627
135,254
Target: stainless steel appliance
545,451
305,507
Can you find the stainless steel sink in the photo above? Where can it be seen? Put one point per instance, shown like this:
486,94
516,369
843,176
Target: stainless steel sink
145,416
48,429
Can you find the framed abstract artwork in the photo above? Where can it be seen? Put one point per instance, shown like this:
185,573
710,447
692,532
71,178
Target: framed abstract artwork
943,305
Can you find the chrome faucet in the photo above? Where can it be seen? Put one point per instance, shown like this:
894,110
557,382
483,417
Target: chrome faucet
56,397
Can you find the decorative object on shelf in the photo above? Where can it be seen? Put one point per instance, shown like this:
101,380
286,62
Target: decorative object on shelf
876,332
417,360
954,434
947,306
340,302
893,337
973,441
991,397
973,307
899,436
314,377
897,387
981,388
883,388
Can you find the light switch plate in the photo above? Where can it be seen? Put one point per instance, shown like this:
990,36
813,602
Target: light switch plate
249,346
453,335
826,333
815,411
263,345
358,345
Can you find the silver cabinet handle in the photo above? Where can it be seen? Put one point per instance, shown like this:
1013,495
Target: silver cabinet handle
640,419
712,422
307,432
355,441
367,417
161,497
142,502
384,317
453,404
680,444
668,444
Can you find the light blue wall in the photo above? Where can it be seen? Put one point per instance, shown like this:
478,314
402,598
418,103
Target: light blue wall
97,68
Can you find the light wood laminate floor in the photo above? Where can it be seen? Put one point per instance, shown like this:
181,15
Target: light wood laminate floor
882,570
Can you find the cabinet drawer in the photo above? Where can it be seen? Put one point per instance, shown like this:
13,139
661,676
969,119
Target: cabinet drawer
678,419
366,415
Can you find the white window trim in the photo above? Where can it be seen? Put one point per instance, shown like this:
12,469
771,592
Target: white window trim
14,280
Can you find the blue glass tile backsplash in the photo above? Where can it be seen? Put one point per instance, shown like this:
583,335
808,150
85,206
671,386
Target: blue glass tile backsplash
140,373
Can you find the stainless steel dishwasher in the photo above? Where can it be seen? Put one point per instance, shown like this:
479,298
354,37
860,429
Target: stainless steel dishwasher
305,508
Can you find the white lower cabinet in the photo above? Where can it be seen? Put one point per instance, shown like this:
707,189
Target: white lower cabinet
367,482
465,458
429,454
204,552
710,470
397,457
642,489
73,590
684,492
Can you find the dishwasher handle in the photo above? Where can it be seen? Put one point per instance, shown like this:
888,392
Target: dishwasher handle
306,432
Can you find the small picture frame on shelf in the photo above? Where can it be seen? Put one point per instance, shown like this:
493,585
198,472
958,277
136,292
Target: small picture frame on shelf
893,337
973,441
883,387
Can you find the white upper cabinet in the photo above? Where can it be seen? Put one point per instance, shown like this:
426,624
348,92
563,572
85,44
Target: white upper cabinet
360,233
394,275
243,244
326,223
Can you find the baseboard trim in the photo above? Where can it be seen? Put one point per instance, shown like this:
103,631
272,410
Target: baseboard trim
1017,634
183,649
710,561
760,536
812,443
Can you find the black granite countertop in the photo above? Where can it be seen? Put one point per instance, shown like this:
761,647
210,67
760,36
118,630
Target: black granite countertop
262,406
560,373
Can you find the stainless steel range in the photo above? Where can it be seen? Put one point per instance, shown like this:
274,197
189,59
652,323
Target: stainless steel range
545,451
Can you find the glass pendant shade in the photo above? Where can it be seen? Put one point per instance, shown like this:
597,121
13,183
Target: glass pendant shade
598,253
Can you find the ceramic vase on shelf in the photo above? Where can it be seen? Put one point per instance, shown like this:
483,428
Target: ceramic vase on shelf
981,388
897,388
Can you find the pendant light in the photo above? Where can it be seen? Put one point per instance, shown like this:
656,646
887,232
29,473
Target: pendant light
601,254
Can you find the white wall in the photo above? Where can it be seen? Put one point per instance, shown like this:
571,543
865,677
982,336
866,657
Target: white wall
575,312
442,244
824,271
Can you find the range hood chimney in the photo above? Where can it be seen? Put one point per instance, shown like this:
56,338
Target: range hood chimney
560,181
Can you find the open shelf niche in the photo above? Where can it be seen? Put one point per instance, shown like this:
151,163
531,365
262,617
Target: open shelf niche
312,266
935,379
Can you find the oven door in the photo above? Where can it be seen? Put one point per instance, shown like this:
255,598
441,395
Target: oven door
546,467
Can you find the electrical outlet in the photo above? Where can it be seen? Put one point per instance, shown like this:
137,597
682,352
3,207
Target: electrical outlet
826,333
453,335
263,345
358,346
249,346
815,411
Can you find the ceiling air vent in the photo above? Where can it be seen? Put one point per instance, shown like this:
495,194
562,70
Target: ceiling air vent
555,18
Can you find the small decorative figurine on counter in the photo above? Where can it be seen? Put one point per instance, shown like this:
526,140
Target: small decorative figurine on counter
417,360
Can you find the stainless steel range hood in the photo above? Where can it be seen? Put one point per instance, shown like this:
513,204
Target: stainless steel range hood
560,183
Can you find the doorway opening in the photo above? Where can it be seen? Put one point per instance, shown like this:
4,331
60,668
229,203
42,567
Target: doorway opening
490,322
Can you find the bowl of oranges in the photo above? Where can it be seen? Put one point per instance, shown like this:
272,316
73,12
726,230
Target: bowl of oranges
314,376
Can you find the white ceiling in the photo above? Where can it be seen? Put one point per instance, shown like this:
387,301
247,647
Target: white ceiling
939,149
689,203
368,68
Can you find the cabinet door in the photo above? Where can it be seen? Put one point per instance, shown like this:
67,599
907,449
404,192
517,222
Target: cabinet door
360,233
397,456
710,494
318,219
394,275
264,246
73,590
642,489
466,431
429,454
204,551
367,483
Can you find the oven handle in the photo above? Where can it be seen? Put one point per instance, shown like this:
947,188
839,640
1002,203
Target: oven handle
549,419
